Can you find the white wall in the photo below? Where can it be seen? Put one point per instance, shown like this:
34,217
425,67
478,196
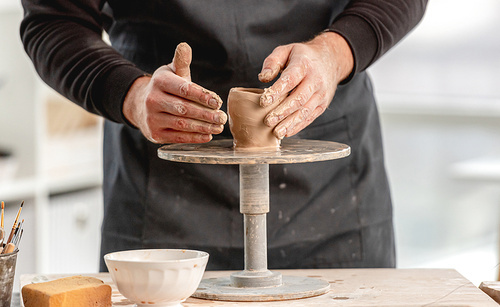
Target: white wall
17,93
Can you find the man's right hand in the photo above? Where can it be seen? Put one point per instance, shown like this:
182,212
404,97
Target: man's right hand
169,108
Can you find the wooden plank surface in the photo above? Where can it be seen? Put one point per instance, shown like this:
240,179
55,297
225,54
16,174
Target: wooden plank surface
492,288
355,287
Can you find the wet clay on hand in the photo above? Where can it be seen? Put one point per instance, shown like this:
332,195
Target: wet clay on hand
246,120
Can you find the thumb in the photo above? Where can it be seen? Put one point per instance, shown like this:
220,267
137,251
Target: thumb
182,60
275,63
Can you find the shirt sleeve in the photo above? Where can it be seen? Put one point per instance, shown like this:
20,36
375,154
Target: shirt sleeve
64,41
372,27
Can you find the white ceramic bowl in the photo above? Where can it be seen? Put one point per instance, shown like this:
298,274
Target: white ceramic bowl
157,277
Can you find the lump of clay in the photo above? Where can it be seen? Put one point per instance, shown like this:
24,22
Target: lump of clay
246,120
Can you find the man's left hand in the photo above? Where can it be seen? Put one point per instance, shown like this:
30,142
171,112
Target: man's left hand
310,73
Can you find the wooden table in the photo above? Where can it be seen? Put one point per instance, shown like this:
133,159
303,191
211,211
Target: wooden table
356,287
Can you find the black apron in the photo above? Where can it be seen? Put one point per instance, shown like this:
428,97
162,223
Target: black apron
323,214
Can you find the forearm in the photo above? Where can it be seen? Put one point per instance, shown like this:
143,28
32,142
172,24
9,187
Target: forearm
372,27
68,53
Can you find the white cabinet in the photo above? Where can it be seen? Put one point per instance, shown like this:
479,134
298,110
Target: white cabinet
75,232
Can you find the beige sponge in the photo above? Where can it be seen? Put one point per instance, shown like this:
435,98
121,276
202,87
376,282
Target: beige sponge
74,291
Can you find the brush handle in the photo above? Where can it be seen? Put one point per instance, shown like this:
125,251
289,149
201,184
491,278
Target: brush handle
11,233
2,236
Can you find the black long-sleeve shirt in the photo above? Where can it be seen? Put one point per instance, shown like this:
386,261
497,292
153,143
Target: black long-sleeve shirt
324,214
63,39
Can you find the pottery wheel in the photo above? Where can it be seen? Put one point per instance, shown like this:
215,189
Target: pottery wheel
222,152
256,282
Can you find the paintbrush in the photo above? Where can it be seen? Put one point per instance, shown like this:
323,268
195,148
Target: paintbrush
15,223
17,232
1,221
2,231
17,239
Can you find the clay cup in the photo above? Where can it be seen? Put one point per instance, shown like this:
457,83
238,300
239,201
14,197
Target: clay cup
246,120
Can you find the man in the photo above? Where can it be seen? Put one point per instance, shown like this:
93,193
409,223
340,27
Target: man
325,214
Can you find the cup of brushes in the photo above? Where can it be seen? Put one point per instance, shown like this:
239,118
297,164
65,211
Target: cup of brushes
8,256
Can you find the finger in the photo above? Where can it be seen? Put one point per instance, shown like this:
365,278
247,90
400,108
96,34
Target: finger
173,136
297,99
159,124
182,60
274,63
289,79
181,107
299,119
176,85
301,125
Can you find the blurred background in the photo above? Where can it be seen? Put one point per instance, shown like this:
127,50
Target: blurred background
439,101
